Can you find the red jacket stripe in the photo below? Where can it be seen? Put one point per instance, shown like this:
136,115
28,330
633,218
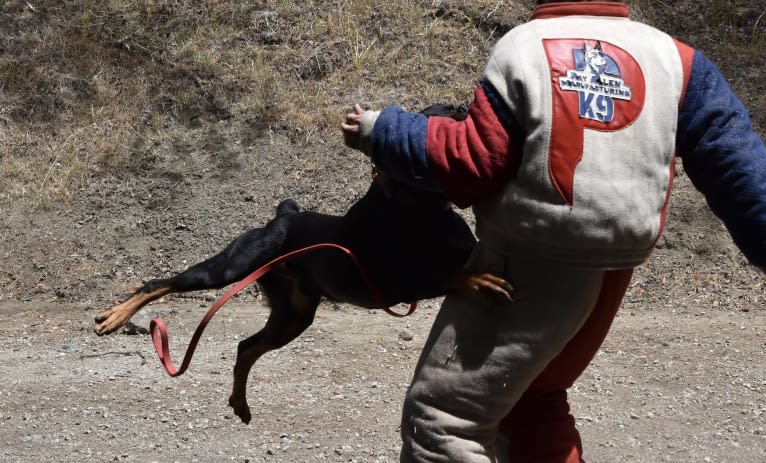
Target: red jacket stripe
472,158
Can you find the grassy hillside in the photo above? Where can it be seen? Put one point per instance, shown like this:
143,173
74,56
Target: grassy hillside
90,87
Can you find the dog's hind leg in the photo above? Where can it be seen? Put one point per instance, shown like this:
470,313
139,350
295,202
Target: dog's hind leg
113,318
242,256
292,311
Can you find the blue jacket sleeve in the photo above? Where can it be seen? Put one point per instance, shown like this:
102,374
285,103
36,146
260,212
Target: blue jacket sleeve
724,158
398,147
465,159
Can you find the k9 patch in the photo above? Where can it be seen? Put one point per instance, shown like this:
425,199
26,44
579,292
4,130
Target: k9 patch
595,86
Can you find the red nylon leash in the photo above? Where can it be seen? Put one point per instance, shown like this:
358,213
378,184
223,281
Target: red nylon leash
160,333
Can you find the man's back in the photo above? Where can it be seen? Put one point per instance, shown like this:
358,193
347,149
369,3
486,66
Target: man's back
597,97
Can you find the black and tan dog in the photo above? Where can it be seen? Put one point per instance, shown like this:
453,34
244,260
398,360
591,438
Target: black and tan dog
412,244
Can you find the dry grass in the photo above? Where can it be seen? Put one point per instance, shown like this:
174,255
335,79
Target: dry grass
88,87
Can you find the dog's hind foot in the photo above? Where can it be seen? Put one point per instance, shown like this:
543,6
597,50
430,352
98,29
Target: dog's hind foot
112,319
241,409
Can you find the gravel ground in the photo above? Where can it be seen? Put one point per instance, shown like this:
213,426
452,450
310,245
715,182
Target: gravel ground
684,386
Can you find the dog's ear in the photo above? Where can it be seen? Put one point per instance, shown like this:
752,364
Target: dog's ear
438,109
462,111
447,110
598,47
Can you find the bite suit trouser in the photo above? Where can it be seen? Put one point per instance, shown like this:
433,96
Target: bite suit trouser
490,385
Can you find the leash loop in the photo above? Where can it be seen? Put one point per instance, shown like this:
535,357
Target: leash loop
159,330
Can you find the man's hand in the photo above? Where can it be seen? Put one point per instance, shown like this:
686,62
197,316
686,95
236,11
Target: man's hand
351,135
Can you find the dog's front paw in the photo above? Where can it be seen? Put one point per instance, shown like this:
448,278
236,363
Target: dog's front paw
490,286
241,409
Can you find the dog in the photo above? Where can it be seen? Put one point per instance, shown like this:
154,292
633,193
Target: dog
595,61
411,242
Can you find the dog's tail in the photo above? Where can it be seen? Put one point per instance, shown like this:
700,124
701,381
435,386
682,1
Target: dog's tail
288,206
246,253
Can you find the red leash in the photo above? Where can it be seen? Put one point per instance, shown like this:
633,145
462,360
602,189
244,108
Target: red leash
160,333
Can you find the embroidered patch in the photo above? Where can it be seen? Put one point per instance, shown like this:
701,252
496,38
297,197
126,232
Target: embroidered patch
598,82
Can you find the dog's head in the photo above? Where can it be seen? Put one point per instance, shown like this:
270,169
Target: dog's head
407,195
